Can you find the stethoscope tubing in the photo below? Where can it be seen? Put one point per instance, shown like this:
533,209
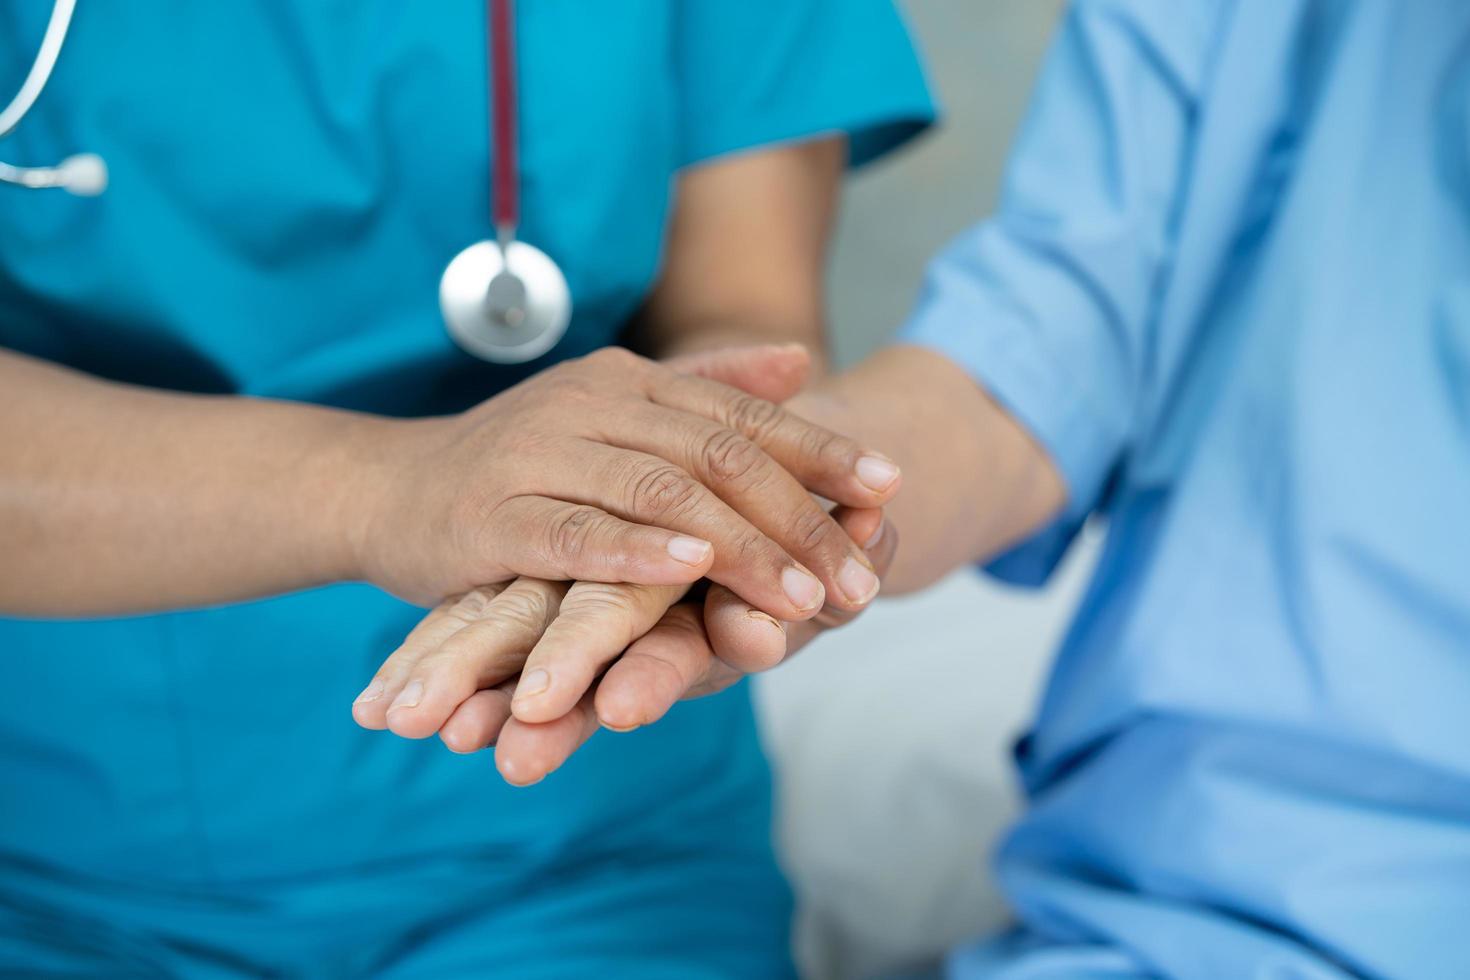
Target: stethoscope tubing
83,174
35,81
466,299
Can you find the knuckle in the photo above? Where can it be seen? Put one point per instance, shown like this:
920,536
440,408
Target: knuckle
604,611
812,530
819,444
613,358
472,605
522,610
664,490
753,416
567,534
597,601
755,550
729,457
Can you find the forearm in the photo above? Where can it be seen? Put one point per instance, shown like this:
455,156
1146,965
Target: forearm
116,499
974,481
746,255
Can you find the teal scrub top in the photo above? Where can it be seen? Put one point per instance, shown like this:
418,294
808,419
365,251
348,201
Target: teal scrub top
288,182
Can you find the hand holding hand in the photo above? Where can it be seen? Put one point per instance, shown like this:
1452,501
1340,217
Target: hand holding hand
613,468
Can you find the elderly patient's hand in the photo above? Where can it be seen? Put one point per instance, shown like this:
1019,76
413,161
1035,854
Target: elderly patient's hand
518,668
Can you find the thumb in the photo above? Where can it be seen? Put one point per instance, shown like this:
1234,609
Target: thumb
774,372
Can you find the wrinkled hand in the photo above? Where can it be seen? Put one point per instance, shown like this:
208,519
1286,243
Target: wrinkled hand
613,468
518,667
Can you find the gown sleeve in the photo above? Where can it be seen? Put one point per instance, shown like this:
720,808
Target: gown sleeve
1051,302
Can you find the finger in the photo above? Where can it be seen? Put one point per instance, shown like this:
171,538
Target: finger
446,619
676,659
743,637
644,488
664,665
490,648
525,754
770,371
823,461
881,546
755,486
476,723
554,539
597,622
862,525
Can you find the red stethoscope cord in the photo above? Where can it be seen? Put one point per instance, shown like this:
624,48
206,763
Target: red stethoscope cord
504,126
504,300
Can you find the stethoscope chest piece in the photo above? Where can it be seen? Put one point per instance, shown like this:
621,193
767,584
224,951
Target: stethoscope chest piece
505,304
503,300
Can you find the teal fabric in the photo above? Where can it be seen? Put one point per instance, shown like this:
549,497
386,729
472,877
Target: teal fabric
187,792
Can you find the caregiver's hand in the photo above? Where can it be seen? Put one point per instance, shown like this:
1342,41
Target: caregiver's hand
456,673
613,468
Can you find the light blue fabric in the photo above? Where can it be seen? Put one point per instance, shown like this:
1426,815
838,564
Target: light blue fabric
1228,288
187,793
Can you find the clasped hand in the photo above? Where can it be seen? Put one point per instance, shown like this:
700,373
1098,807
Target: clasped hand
598,493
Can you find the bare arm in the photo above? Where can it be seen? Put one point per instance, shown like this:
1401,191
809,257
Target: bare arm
747,252
975,481
114,497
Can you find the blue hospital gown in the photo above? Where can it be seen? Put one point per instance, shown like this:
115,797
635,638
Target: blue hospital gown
1228,289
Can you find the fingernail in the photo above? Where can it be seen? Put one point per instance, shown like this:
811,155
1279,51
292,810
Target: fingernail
858,582
872,542
409,697
877,473
370,693
532,684
690,551
802,588
620,731
761,617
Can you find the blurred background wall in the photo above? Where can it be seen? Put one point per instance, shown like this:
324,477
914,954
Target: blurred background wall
891,738
982,56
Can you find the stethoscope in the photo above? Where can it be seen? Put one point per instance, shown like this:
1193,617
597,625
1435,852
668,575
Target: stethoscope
503,300
84,174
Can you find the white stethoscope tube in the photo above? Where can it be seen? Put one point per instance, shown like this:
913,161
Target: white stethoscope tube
503,300
84,174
